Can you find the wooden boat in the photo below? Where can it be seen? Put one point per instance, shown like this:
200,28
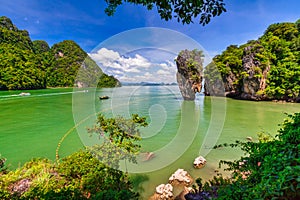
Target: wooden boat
103,97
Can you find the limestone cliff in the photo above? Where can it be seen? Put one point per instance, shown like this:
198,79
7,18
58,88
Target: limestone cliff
190,73
263,69
248,83
255,76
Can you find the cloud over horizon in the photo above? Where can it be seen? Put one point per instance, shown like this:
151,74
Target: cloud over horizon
135,67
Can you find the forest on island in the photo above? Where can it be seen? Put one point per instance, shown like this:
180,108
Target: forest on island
267,68
27,64
264,69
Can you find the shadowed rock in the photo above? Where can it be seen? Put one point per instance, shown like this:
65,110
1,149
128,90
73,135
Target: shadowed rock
190,73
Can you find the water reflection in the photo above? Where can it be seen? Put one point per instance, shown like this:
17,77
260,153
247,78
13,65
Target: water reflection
179,142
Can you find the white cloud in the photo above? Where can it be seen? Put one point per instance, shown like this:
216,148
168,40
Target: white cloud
113,60
105,56
164,66
139,61
116,72
133,70
147,74
163,72
135,67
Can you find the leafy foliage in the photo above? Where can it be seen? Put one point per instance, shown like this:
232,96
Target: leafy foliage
68,58
120,137
270,168
184,11
190,63
20,69
274,60
2,164
108,81
208,190
40,46
78,176
33,65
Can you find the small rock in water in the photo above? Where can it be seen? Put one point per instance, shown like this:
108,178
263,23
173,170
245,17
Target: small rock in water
163,192
181,177
199,162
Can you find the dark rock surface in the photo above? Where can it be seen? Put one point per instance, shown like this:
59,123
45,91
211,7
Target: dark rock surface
190,73
255,79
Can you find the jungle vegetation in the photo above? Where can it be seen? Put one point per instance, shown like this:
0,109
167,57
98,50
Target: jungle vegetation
273,58
269,168
26,64
92,173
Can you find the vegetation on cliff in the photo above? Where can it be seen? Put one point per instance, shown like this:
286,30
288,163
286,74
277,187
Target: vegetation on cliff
189,72
26,64
263,69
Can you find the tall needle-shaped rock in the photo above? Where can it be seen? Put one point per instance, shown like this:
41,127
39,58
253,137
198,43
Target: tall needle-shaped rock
190,73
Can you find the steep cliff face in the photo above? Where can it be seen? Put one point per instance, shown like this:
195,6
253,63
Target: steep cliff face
190,73
255,76
213,84
263,69
248,81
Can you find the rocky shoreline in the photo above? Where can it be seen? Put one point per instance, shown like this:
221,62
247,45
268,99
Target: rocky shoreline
266,69
181,181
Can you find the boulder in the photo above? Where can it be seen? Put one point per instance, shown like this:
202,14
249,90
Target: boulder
181,177
185,191
163,192
199,162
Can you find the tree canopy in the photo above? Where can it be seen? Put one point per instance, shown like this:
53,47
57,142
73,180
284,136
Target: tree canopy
27,64
269,168
269,65
184,11
120,139
78,176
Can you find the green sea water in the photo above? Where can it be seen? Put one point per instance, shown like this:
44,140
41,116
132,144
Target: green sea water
179,131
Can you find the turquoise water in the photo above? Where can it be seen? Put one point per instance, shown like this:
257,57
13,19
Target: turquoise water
32,126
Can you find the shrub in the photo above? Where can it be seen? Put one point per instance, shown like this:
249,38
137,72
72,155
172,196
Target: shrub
269,169
78,176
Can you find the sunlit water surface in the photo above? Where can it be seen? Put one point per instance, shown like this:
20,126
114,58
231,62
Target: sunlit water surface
178,131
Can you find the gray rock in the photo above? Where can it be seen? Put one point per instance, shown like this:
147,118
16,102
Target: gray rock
190,73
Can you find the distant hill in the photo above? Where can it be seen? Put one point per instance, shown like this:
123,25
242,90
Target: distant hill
26,64
264,69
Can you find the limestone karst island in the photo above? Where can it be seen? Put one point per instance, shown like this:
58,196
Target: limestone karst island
87,113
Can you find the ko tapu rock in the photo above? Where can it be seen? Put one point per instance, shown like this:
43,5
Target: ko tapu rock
189,73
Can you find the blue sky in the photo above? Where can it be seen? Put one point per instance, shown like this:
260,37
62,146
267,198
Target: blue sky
86,23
